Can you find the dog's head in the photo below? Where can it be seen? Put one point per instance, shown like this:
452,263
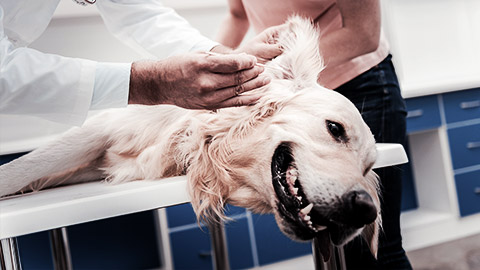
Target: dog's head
302,152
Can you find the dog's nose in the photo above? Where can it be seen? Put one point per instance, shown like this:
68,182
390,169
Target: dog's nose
358,208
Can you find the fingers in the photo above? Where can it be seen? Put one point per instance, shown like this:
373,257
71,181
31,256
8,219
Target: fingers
229,63
267,52
237,90
235,79
238,101
271,33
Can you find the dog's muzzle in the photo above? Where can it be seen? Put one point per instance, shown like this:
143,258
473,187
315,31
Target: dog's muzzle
308,219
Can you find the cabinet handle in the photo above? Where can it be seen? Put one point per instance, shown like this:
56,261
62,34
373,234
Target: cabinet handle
204,253
415,113
472,145
477,190
470,104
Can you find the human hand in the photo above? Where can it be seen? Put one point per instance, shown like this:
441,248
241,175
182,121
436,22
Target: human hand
197,81
264,46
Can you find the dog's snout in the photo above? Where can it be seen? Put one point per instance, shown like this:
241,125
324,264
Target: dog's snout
358,208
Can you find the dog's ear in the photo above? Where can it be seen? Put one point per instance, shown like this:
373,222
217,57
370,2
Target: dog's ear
300,61
213,164
208,184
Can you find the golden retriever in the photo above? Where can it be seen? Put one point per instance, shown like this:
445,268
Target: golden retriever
301,152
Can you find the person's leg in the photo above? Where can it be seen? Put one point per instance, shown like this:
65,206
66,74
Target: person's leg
376,94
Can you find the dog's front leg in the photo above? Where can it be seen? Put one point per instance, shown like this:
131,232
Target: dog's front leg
77,148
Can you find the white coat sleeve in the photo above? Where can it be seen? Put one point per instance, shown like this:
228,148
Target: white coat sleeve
57,88
151,28
44,85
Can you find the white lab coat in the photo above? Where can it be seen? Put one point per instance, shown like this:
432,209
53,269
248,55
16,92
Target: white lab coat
61,88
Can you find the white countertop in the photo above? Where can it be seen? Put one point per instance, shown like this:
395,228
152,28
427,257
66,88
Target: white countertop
69,205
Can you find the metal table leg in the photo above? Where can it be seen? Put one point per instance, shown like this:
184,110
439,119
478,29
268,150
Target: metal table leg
219,246
9,256
336,261
60,249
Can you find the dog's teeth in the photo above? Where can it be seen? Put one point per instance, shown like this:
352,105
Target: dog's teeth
307,209
320,227
295,190
299,198
306,218
309,223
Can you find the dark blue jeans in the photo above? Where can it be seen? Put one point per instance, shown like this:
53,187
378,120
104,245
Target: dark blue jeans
376,93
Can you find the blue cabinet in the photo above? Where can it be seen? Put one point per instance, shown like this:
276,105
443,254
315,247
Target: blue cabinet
462,105
423,113
191,247
465,145
468,191
272,245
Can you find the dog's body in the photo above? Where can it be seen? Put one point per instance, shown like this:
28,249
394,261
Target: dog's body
302,152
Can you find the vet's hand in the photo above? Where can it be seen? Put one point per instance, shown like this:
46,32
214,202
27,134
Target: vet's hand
197,81
264,46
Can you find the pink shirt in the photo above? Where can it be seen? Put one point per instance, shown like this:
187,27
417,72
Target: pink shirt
265,13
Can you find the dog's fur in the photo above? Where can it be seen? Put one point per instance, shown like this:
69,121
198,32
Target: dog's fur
226,155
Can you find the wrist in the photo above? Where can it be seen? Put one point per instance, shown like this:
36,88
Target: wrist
145,86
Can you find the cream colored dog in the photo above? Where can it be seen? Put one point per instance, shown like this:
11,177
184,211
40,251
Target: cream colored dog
302,152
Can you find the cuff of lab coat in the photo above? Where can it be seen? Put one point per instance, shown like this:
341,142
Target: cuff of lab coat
111,86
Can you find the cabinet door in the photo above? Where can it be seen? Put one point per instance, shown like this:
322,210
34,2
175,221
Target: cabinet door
272,244
462,105
468,191
422,113
465,146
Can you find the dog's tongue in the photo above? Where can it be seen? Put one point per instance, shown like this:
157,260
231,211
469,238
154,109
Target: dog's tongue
323,244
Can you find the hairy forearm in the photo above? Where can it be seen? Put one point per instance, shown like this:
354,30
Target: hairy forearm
145,83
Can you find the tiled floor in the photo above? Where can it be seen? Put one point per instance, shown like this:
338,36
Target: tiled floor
462,254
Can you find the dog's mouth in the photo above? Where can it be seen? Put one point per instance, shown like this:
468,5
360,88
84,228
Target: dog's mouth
293,205
304,219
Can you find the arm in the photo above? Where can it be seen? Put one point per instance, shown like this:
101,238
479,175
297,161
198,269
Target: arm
359,35
49,86
150,28
235,25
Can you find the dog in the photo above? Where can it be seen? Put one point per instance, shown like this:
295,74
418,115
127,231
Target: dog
302,152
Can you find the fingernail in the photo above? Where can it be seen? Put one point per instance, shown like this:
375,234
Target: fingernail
267,80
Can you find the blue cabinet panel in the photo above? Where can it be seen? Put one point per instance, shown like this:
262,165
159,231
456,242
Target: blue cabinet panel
35,251
462,105
191,249
239,246
272,244
179,215
124,242
465,145
468,191
422,113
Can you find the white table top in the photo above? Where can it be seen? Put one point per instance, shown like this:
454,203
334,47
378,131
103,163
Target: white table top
69,205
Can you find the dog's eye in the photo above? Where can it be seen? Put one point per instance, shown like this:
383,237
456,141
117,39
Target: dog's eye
336,129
